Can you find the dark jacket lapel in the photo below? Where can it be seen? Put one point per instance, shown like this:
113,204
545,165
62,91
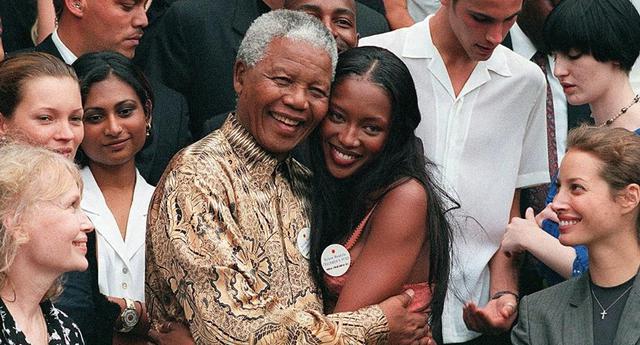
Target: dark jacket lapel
629,326
47,46
579,312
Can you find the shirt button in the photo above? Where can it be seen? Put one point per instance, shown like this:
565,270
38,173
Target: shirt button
124,286
125,270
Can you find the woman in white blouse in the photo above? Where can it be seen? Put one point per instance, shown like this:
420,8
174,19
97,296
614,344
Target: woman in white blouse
117,104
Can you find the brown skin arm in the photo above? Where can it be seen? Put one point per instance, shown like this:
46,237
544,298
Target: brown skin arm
391,249
143,325
387,260
499,314
397,14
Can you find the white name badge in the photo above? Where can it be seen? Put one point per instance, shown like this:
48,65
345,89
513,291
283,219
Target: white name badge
304,242
335,260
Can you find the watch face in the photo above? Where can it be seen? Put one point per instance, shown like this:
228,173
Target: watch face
130,317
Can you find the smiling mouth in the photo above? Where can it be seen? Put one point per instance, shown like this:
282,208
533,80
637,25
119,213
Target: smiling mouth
343,154
80,244
116,143
569,222
287,121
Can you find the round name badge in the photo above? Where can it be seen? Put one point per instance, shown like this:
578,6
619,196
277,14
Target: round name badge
335,260
304,242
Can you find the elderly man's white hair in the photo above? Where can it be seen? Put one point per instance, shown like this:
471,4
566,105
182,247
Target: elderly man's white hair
293,25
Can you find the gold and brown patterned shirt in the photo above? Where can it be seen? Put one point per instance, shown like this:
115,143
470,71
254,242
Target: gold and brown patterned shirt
222,255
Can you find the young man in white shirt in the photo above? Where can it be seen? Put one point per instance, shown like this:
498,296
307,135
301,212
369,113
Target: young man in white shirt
483,110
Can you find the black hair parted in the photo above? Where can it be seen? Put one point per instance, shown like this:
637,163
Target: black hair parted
92,68
609,30
338,205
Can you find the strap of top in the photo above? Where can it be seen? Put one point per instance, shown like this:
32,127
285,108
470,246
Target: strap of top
358,231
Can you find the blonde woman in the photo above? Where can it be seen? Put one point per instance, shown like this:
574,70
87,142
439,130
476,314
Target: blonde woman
44,234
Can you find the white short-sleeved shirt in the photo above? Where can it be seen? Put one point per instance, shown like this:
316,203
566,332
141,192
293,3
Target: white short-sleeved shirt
488,141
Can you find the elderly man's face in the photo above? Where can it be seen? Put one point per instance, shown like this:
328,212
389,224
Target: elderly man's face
339,16
285,95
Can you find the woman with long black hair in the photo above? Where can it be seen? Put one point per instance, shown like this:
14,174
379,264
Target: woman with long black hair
375,200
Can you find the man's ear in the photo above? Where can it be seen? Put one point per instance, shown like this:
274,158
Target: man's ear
75,7
239,75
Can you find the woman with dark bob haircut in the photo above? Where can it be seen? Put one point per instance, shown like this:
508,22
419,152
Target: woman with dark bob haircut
375,199
117,102
595,43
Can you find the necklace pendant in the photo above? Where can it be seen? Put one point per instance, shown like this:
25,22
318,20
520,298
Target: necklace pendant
603,314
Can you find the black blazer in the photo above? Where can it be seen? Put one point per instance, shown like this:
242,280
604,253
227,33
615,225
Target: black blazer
169,125
563,314
193,46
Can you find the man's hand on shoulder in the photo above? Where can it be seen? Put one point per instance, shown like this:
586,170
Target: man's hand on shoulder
405,326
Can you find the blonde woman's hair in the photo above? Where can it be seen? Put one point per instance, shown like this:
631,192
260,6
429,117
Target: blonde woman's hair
28,175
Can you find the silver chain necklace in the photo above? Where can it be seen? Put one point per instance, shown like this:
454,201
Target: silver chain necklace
604,310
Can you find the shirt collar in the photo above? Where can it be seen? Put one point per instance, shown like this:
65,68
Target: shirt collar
68,56
521,43
418,44
260,162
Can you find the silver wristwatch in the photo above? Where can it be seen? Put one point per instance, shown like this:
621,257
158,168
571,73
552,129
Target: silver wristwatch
129,317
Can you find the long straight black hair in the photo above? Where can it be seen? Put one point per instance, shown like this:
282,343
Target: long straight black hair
339,205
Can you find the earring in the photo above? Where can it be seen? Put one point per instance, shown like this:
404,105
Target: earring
148,128
76,5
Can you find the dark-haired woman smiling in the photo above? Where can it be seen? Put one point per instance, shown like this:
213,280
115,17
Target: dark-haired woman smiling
374,197
117,104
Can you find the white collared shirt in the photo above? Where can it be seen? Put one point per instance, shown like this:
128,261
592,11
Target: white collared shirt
488,141
121,262
525,48
67,55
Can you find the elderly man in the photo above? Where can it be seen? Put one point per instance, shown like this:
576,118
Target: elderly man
483,109
225,220
195,44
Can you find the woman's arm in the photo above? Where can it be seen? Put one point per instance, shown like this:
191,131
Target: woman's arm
397,234
397,14
526,235
143,325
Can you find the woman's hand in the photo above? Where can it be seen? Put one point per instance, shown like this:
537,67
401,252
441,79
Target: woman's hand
547,213
520,233
171,333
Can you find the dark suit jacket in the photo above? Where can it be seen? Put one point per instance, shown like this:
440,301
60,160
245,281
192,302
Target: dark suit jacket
563,314
194,44
169,125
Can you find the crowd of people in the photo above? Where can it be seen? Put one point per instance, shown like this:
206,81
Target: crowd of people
320,172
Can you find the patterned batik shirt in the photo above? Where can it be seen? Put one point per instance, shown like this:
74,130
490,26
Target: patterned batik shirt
222,254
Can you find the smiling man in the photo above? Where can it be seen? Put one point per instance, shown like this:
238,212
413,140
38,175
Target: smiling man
483,110
225,239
